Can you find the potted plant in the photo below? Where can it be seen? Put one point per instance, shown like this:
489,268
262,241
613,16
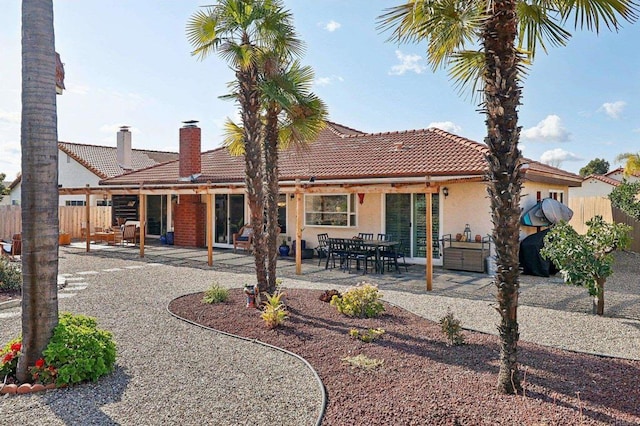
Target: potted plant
284,248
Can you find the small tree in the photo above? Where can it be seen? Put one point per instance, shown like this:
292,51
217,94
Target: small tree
597,166
586,260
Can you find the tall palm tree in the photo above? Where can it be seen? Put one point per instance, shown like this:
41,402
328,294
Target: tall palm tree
508,32
293,116
239,30
631,162
39,139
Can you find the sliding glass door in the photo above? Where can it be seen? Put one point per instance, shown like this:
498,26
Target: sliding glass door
405,220
228,217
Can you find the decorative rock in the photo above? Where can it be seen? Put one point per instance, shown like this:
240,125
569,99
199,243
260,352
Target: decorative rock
37,387
24,388
50,386
11,389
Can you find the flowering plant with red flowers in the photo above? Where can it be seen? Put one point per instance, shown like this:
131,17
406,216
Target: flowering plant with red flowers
9,358
43,373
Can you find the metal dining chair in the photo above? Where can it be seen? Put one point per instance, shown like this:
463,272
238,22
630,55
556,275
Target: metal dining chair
365,236
323,247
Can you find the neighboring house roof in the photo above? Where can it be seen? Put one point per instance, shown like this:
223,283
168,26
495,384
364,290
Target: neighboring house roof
102,160
15,182
344,153
603,178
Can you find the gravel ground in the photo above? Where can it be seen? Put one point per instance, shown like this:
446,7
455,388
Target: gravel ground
170,372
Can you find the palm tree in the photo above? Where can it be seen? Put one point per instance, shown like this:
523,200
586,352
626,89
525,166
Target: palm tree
239,30
508,33
39,139
293,115
631,163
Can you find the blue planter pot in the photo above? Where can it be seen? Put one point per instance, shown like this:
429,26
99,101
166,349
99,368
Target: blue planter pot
170,238
284,251
163,239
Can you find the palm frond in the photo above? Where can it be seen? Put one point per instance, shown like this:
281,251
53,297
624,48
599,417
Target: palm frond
233,138
592,14
537,25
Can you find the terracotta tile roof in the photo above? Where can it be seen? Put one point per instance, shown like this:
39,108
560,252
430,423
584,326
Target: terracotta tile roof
604,178
344,153
102,160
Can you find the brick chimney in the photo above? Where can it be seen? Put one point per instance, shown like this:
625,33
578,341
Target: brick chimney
190,163
123,156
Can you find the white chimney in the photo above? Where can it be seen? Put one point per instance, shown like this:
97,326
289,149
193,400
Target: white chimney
124,148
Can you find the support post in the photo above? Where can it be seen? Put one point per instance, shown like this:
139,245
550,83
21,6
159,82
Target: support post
429,239
210,229
143,221
87,218
298,228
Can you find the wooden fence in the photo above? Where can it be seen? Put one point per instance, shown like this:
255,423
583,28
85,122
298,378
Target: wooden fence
72,219
585,208
622,217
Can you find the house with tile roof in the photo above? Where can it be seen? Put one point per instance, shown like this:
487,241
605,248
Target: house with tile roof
601,185
81,165
343,183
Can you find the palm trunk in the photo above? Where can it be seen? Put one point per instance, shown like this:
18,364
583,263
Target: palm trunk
39,139
502,97
249,99
271,175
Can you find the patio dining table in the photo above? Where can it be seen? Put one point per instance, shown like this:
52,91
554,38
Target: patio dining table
341,247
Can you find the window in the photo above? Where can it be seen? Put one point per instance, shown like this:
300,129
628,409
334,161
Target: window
103,203
556,195
74,203
330,210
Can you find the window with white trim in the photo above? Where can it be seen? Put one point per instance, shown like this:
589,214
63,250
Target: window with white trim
330,210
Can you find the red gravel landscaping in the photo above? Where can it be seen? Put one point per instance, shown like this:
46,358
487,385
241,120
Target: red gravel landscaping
425,382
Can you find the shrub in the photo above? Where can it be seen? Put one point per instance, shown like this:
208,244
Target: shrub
274,312
361,301
364,362
9,358
215,294
367,336
79,350
452,328
10,276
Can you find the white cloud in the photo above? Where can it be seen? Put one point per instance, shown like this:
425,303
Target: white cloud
548,130
326,81
613,109
447,126
555,157
332,25
407,63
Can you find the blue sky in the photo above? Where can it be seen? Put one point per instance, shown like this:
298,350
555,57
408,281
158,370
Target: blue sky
129,63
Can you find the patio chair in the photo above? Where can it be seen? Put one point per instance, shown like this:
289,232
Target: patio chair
359,252
323,247
12,248
365,236
393,256
243,238
129,234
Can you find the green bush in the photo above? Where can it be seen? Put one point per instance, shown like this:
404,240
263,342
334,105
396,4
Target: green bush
79,350
215,294
10,276
361,301
452,328
275,312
